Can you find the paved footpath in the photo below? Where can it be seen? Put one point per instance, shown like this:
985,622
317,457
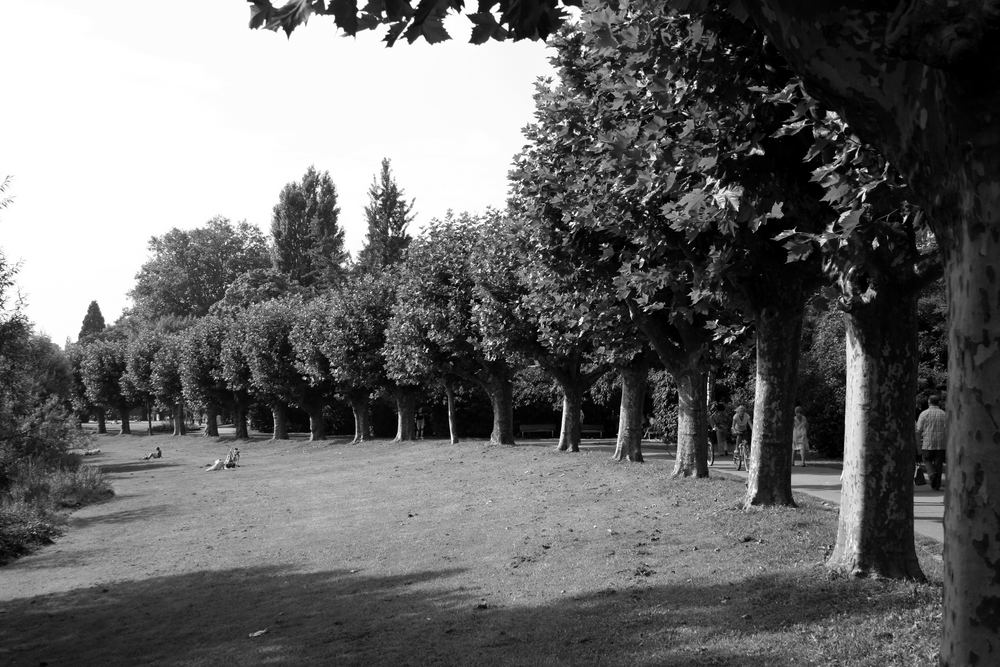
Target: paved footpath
823,481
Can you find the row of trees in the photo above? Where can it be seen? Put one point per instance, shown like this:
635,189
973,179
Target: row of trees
221,316
907,77
715,198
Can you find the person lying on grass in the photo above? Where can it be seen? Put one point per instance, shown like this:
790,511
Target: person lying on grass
153,455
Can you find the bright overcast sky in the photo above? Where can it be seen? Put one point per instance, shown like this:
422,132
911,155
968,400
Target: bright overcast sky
122,119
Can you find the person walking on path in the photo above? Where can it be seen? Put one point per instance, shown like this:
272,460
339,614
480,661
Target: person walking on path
719,422
931,436
800,435
419,421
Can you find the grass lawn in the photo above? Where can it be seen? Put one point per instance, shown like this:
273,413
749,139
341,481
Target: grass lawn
432,553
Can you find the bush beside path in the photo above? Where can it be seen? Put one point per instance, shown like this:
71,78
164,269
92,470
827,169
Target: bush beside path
432,553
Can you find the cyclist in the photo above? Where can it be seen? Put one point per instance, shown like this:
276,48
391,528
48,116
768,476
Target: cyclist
741,433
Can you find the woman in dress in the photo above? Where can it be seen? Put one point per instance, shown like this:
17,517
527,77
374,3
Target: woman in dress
800,435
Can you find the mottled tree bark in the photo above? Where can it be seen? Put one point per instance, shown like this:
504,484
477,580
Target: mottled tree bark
875,529
972,501
317,427
769,481
178,419
362,415
569,431
102,424
211,421
630,417
501,393
406,410
149,418
126,428
682,347
279,413
692,425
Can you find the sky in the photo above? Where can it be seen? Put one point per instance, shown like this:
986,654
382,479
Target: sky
121,120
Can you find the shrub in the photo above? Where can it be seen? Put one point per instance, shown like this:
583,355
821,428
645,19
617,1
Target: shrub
23,528
31,509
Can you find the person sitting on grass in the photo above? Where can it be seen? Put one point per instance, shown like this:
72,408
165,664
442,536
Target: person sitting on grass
232,458
153,455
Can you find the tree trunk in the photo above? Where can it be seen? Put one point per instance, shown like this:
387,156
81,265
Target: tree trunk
317,427
126,426
501,392
449,391
149,418
406,412
770,473
102,424
279,413
240,418
211,421
711,384
179,426
569,433
362,415
692,425
938,126
682,348
630,418
875,530
972,501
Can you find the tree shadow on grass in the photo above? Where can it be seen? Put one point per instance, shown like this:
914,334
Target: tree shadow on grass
135,466
341,617
146,513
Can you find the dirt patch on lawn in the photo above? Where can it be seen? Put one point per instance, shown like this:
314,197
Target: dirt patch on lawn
432,553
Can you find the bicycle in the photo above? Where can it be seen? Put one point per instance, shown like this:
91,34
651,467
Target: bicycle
741,455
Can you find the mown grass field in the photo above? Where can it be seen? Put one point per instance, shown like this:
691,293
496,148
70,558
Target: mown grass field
432,553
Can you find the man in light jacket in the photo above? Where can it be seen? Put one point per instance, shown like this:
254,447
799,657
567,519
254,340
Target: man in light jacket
932,435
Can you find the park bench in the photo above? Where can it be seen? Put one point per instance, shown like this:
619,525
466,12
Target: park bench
538,428
595,430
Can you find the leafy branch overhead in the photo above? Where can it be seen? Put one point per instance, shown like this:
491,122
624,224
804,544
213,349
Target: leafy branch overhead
494,20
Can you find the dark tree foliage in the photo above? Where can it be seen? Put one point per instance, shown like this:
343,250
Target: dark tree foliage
932,331
93,321
823,380
308,239
252,287
388,214
188,271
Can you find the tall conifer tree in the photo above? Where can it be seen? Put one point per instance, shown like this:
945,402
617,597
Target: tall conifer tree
308,239
388,215
93,321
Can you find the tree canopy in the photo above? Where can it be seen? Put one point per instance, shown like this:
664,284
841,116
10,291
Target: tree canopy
308,241
189,270
388,215
93,321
